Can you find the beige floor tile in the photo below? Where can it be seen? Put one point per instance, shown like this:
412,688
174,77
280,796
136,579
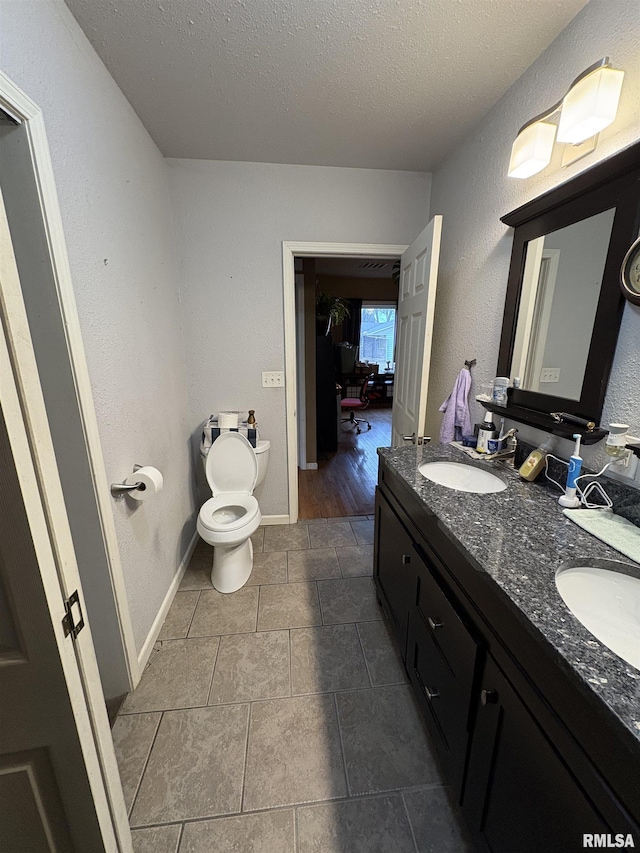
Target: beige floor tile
313,520
363,531
327,658
348,600
368,825
132,739
294,753
219,613
157,839
179,617
268,832
383,659
196,765
251,666
331,535
384,741
257,540
356,560
178,676
313,564
198,573
268,568
437,825
288,605
286,537
202,548
347,518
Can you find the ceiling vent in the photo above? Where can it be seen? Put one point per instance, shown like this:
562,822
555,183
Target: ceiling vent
372,265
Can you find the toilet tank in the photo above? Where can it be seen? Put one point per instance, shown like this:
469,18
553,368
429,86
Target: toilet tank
262,452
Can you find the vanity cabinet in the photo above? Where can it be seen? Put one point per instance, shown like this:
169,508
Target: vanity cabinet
519,793
395,575
523,752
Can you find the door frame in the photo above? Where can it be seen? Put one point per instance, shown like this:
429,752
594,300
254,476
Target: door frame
290,251
22,109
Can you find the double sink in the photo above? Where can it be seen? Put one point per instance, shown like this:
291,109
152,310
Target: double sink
603,595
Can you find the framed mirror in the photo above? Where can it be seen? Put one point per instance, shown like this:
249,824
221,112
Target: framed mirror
564,305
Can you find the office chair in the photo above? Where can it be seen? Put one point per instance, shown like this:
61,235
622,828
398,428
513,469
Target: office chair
357,403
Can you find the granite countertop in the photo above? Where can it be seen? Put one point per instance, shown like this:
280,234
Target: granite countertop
519,538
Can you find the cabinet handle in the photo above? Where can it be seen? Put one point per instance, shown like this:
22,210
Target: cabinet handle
431,693
489,697
406,559
433,625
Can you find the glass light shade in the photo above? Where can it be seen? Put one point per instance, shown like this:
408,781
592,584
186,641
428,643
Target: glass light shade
531,151
590,105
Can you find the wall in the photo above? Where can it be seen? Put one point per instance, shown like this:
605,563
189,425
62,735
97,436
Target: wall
112,186
471,190
371,289
230,220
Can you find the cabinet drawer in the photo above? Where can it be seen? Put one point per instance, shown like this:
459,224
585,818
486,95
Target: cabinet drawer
442,622
447,697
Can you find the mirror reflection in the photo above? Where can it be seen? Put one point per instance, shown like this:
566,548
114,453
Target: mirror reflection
559,298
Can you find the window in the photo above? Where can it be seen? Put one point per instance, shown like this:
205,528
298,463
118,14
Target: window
377,332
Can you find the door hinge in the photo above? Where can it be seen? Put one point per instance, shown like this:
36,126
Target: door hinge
69,623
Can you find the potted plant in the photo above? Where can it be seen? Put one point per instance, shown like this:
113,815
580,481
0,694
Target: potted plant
330,310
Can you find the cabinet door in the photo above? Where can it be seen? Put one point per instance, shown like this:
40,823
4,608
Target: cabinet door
394,573
519,794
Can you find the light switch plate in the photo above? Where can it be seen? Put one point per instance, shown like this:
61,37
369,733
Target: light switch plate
273,378
550,374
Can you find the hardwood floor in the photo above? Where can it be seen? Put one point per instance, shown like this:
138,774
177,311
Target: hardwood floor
344,483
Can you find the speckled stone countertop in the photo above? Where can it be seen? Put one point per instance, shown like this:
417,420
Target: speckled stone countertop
520,537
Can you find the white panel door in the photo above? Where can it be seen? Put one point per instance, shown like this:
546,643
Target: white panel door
59,785
414,335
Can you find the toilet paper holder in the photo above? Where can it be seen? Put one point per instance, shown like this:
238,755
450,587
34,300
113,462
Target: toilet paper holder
120,488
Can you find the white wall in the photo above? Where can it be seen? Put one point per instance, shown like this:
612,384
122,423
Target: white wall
472,191
113,192
230,220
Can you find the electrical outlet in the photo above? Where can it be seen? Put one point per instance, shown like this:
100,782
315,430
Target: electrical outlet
550,374
273,378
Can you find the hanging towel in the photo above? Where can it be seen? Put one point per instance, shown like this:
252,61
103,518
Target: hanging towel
457,420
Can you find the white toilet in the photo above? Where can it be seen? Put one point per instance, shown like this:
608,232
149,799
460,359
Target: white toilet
232,514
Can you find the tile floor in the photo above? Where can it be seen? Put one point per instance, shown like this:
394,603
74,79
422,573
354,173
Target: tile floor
279,719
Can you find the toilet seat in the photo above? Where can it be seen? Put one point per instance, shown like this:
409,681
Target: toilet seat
228,512
231,466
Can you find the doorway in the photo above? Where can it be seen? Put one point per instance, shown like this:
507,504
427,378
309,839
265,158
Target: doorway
297,424
346,313
28,190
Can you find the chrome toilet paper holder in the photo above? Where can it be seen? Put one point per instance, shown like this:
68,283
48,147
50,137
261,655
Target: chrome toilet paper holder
123,488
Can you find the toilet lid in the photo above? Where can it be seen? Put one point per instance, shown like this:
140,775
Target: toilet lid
231,465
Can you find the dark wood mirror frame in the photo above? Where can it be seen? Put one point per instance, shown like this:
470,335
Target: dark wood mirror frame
614,182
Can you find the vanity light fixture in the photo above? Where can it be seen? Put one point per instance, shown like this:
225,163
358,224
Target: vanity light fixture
589,106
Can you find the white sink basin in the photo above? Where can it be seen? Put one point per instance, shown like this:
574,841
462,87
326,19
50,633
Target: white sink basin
463,478
606,599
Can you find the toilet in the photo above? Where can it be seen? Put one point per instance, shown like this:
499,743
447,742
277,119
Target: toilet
227,520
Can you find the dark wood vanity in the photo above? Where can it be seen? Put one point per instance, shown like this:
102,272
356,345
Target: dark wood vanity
533,760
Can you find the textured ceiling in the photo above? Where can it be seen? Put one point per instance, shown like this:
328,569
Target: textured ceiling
383,84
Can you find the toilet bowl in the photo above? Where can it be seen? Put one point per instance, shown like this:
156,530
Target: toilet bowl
231,514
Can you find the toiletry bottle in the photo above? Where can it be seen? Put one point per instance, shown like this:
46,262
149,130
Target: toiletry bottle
534,463
486,430
251,420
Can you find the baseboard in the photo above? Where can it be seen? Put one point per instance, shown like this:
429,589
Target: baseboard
309,466
274,519
152,636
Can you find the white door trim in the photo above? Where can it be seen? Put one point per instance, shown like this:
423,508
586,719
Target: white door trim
290,251
21,107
